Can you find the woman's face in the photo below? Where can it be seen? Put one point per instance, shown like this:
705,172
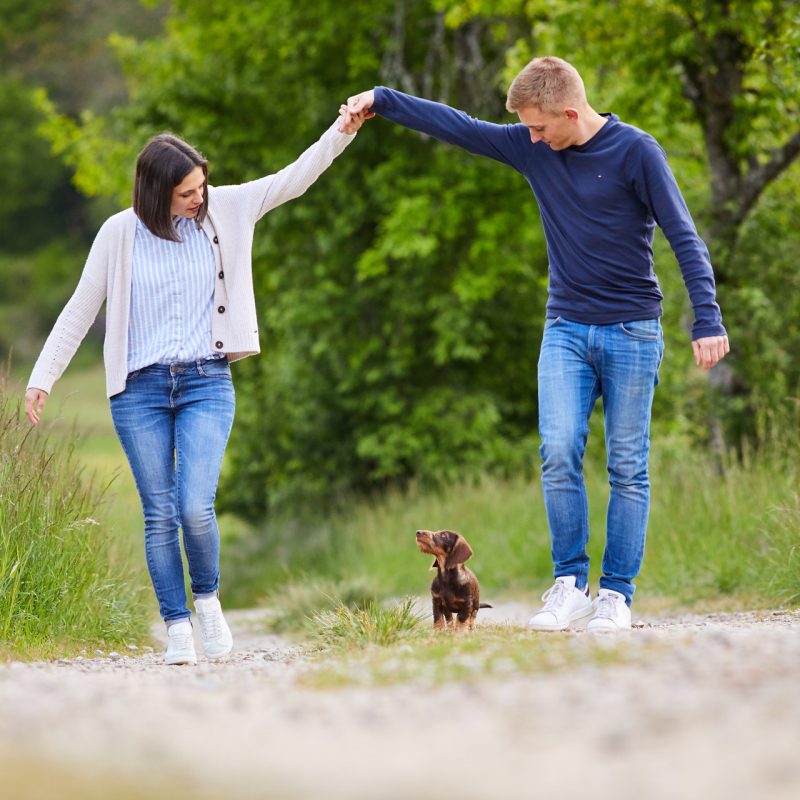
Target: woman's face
187,196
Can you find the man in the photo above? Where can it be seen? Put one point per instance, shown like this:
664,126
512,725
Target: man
601,186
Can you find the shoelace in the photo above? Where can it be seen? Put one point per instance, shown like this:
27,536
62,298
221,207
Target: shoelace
182,640
211,624
554,597
606,606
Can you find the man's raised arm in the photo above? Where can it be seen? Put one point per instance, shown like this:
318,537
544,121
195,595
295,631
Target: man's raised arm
509,144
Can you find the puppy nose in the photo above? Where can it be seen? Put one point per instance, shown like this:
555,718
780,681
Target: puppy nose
419,533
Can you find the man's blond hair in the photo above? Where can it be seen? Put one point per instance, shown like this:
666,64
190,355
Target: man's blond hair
549,83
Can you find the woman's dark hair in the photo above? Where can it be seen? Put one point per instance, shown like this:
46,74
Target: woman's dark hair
163,163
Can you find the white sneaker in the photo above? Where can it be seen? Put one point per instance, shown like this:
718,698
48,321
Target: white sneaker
180,644
564,604
611,615
214,631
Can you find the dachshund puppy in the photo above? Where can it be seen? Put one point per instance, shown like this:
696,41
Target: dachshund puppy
455,589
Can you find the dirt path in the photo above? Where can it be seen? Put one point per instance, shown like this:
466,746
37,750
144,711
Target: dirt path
704,707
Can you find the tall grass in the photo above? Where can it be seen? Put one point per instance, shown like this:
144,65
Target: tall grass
729,532
64,582
726,529
344,627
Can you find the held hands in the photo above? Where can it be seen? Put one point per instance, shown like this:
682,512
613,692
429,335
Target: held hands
353,114
34,403
710,350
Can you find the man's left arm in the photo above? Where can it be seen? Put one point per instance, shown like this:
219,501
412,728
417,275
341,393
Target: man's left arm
657,188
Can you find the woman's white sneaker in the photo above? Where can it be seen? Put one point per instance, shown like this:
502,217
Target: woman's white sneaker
611,614
214,631
180,644
564,604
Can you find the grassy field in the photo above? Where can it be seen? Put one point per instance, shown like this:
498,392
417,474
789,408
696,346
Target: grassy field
730,538
717,535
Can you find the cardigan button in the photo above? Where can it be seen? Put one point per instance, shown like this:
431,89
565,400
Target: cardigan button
219,345
221,274
221,309
216,240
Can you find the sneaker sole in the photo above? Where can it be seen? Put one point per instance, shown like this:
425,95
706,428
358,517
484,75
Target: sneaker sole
215,656
611,631
179,662
581,620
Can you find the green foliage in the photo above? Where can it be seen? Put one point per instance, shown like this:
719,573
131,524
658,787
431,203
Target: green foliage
399,335
401,298
50,51
765,302
62,581
31,179
33,288
716,83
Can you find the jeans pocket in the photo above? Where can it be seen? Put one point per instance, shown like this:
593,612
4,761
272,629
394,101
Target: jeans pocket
216,368
550,321
644,329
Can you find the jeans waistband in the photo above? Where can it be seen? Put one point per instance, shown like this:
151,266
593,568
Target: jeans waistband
181,366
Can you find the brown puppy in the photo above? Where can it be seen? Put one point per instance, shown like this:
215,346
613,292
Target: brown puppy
455,589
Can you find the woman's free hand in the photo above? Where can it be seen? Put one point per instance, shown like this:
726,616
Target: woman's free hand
34,403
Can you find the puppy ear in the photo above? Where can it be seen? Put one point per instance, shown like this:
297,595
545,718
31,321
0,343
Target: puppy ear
460,553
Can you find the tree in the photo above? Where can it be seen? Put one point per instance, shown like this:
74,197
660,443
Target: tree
401,298
724,74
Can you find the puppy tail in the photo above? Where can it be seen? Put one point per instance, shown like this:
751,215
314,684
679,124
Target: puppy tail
484,605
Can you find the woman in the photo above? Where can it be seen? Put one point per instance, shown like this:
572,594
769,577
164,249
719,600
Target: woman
175,272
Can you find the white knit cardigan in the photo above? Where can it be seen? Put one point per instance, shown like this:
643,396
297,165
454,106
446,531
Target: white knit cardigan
232,214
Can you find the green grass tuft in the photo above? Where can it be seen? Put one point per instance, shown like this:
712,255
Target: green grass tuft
63,581
296,604
345,628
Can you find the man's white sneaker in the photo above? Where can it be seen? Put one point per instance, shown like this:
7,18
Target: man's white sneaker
564,604
180,644
214,631
611,614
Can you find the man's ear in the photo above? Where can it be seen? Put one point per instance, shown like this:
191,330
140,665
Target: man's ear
460,553
571,114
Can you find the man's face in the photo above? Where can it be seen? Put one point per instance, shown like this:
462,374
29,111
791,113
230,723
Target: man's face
559,131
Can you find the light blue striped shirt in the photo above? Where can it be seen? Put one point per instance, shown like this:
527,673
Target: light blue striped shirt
172,297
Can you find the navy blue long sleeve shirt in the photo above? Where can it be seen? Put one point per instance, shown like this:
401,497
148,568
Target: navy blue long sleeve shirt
599,203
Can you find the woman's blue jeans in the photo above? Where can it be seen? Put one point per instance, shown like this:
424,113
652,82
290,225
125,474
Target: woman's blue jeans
173,422
577,364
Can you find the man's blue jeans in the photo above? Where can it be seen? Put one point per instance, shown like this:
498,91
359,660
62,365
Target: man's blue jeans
173,422
577,364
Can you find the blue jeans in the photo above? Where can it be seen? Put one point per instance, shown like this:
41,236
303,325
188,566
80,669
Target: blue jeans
173,422
577,364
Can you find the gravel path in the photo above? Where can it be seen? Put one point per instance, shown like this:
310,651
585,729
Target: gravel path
704,707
